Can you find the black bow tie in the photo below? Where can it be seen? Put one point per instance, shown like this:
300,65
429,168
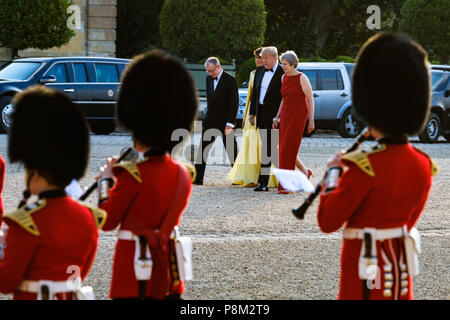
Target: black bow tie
271,70
215,78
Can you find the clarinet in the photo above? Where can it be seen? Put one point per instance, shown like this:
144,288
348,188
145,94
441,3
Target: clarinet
300,211
95,184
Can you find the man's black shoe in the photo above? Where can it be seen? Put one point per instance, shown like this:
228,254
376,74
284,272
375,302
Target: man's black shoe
198,182
262,187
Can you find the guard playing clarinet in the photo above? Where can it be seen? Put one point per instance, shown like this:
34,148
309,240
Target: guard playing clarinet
50,243
147,198
378,193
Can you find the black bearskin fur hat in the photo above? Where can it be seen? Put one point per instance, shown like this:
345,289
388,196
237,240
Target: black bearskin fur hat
157,96
49,134
391,84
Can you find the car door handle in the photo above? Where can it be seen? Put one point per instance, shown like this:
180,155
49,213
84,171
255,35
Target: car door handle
344,94
315,95
69,90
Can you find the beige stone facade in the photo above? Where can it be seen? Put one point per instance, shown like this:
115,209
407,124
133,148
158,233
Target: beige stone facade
94,23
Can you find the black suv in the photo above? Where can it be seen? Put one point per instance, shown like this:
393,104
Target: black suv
91,82
439,121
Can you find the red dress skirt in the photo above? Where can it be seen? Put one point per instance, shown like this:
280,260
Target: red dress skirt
292,121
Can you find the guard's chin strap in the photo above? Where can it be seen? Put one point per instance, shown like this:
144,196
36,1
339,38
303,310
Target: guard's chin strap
26,192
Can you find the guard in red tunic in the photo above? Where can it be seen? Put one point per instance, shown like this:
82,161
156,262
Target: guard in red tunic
384,187
51,243
147,198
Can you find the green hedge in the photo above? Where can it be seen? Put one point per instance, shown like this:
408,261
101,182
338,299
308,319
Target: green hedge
34,24
194,29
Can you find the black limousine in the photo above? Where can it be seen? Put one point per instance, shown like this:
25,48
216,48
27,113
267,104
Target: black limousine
91,82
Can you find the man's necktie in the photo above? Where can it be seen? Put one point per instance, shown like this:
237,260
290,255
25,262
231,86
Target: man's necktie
271,70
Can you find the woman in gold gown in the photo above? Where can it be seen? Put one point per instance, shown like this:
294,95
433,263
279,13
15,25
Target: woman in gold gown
247,165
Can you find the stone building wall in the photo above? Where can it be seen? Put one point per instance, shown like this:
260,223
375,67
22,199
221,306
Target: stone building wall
95,32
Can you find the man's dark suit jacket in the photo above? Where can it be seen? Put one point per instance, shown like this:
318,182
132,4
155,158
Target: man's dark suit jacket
266,113
223,103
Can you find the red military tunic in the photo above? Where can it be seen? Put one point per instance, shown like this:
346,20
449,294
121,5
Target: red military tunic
384,187
2,180
139,203
45,239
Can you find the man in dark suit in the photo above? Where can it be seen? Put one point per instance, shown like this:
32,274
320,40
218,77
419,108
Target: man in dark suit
266,99
220,118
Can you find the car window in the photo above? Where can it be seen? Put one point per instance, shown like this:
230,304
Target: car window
330,80
80,72
122,69
19,70
340,81
312,76
349,68
106,72
59,71
438,80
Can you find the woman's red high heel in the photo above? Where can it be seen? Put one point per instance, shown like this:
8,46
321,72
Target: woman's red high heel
310,174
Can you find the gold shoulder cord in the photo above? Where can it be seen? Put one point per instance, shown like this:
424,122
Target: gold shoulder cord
23,216
132,168
361,158
98,214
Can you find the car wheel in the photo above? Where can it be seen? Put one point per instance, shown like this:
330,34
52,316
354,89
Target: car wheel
432,129
103,126
6,109
348,126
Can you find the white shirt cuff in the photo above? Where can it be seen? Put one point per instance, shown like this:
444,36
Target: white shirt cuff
230,125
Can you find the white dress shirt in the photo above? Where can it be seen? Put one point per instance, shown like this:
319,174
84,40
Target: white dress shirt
216,81
268,75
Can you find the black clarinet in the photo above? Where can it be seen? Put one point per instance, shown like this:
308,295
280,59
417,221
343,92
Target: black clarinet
300,211
95,184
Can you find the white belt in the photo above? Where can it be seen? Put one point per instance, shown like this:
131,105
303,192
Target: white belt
379,234
127,235
56,286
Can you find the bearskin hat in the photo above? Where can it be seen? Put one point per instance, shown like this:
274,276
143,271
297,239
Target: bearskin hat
49,134
157,96
391,85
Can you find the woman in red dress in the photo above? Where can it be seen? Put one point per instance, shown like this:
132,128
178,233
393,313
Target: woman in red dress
291,119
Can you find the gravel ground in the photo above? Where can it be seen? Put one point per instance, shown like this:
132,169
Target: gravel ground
248,245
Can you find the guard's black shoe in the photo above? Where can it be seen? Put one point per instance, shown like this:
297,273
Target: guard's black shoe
262,187
198,182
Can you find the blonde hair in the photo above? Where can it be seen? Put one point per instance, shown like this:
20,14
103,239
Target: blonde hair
273,51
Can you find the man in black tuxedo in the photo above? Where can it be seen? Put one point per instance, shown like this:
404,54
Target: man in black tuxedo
220,118
266,99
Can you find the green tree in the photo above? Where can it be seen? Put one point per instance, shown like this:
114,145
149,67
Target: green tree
287,26
137,26
34,24
427,22
195,29
326,28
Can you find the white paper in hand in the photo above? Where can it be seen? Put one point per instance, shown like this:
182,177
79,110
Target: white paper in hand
292,180
74,189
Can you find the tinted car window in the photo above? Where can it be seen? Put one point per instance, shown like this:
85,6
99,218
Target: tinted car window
312,76
59,71
80,72
106,72
19,70
349,68
330,80
438,80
